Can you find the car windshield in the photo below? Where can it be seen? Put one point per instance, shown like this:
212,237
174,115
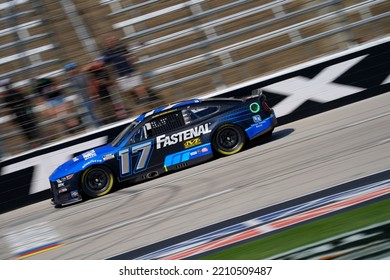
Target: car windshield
121,136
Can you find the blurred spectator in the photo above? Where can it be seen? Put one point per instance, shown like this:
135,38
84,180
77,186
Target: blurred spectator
80,86
100,83
57,107
21,107
3,152
129,80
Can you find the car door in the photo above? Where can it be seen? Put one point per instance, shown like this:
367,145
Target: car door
135,156
165,129
181,141
149,145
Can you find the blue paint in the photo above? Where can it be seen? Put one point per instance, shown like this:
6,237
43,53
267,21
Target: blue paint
257,128
189,154
176,159
82,161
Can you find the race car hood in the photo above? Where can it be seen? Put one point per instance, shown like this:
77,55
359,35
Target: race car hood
84,160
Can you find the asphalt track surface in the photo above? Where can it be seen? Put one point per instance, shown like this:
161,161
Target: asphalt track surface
303,157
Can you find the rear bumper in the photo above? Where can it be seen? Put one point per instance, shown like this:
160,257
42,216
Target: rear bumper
261,127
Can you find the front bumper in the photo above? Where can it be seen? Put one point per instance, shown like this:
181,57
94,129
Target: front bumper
65,192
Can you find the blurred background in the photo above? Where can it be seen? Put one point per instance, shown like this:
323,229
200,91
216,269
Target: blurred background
72,66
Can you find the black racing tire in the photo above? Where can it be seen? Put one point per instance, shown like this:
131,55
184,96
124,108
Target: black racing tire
97,181
228,140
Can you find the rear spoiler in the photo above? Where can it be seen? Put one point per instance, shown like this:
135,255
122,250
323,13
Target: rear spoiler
256,93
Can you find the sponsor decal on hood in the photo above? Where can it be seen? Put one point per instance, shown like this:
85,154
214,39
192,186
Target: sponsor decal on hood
89,154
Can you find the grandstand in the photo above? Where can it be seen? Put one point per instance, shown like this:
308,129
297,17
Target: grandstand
185,48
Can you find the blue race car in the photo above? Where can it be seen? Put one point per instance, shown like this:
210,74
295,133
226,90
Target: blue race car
165,139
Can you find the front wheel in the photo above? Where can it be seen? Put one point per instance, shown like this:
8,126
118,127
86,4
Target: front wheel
97,181
228,140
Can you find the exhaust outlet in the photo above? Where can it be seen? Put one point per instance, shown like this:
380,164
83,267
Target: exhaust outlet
152,174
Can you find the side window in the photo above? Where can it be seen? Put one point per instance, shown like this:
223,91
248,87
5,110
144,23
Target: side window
189,116
166,123
141,134
160,125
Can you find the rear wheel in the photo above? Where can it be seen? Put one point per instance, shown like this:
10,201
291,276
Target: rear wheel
97,181
228,140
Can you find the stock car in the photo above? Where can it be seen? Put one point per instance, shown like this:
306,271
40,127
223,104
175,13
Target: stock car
165,139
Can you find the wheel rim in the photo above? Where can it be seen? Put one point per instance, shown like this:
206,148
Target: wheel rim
97,180
228,139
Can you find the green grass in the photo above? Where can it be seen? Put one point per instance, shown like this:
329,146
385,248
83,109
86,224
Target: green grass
305,234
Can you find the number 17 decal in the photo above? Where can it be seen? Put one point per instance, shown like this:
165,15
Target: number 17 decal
143,152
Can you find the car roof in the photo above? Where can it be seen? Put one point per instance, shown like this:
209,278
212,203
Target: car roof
183,103
161,109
